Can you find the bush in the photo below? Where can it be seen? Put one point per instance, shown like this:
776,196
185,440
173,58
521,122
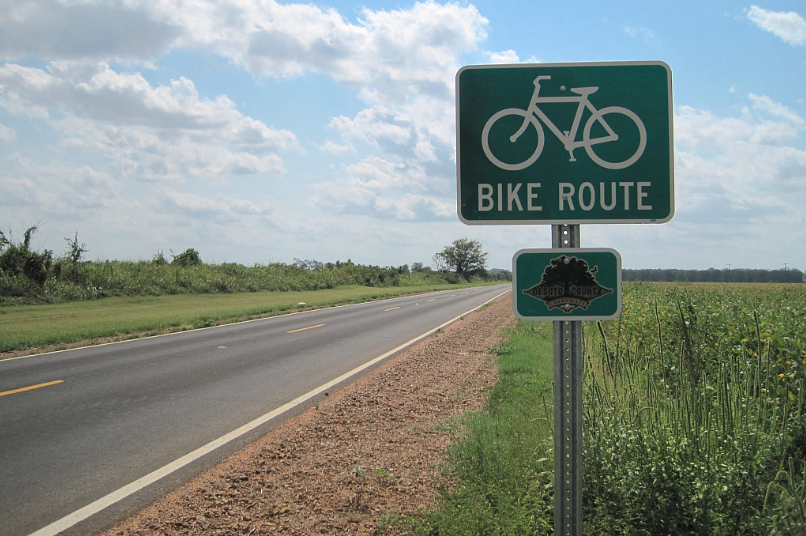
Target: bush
189,257
18,259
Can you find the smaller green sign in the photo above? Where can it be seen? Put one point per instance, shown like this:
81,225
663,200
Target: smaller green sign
567,284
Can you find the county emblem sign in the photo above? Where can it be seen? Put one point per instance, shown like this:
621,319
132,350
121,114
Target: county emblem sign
567,284
565,143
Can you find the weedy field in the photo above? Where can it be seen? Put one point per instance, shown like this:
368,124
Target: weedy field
694,415
694,422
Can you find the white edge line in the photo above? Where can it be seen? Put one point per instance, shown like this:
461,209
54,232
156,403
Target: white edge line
93,508
222,325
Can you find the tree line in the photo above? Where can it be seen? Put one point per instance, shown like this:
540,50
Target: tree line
29,276
712,275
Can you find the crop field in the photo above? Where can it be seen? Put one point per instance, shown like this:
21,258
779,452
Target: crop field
694,421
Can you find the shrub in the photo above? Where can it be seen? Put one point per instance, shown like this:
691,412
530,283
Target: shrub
18,259
189,257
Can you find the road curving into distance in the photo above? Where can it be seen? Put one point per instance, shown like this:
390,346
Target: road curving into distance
89,435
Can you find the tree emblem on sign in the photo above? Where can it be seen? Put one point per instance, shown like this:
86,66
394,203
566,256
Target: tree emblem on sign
568,283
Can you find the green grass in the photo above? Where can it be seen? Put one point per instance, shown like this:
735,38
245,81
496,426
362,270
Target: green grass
500,474
33,326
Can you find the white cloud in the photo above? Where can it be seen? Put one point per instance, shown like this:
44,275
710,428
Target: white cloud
395,56
386,190
82,29
648,36
196,206
334,148
394,132
7,133
788,25
379,174
377,125
743,169
777,109
55,188
392,50
357,199
162,133
401,61
507,56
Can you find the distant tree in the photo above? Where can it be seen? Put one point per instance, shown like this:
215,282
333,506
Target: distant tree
309,265
419,267
159,258
465,257
189,257
18,258
74,250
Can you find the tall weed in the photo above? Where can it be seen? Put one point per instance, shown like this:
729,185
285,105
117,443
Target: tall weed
694,405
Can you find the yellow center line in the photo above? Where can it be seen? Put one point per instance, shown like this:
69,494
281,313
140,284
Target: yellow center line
21,389
303,329
391,309
432,299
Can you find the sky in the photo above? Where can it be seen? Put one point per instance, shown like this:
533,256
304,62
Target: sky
263,131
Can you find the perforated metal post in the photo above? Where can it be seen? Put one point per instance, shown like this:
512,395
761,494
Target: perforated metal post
567,409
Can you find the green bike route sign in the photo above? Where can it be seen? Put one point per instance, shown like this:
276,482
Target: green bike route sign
567,284
565,143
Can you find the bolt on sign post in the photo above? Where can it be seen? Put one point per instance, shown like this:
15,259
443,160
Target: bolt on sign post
565,144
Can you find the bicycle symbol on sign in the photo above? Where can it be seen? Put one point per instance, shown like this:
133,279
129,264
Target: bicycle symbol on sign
532,113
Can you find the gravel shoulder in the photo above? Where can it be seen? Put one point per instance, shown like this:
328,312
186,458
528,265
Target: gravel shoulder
372,449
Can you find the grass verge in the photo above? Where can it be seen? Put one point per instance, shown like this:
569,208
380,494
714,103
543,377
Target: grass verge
500,471
33,328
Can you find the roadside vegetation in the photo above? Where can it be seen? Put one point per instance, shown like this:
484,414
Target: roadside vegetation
694,422
49,301
30,276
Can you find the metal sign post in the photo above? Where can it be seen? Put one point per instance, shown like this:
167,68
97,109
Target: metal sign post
567,409
567,285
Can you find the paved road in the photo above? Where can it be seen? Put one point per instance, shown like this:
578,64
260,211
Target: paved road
124,410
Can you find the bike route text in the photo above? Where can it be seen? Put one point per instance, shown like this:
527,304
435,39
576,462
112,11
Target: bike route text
511,197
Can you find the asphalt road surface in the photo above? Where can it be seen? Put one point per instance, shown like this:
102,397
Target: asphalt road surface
77,425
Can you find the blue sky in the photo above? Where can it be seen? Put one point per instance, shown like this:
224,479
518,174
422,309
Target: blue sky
258,131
